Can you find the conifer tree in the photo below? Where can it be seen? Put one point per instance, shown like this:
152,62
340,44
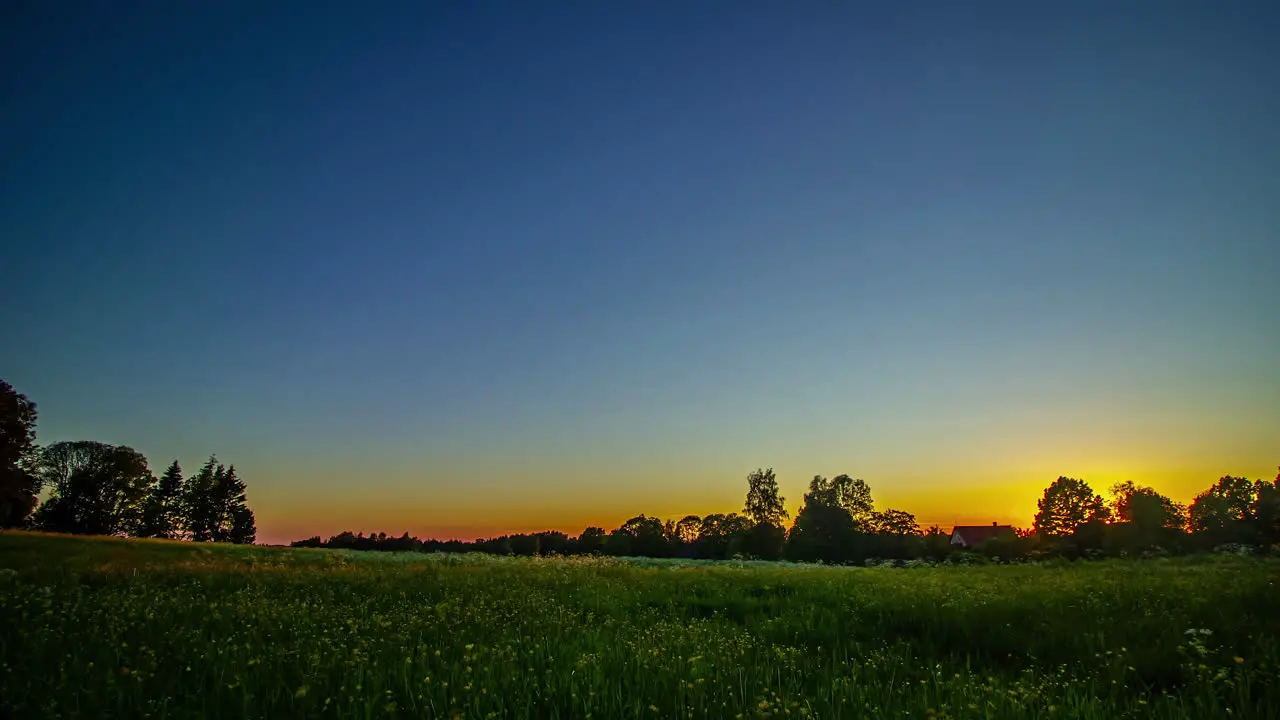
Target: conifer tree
199,513
232,519
163,514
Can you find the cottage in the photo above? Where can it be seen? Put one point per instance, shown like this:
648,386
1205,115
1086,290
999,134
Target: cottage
967,536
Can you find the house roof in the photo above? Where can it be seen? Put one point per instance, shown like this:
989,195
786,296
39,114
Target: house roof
974,534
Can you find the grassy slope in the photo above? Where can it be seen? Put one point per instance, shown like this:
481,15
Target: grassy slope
112,628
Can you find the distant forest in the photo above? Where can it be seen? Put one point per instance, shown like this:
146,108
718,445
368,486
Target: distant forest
839,524
100,489
103,489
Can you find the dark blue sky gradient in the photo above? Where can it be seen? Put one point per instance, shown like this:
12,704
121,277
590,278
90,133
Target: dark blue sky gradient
466,251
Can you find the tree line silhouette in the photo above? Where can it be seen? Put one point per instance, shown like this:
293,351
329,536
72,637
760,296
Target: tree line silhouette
96,488
101,489
839,524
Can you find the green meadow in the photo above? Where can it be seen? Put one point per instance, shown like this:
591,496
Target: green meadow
98,628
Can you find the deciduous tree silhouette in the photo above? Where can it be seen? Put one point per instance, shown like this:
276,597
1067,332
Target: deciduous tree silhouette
824,530
19,486
764,503
1227,512
97,489
765,508
722,536
1145,518
896,522
591,541
1068,504
854,495
685,535
1267,510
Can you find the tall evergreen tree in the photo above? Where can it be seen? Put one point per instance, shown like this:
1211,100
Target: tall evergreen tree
243,529
232,519
199,513
163,514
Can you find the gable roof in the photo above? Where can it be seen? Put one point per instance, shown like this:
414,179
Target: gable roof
971,535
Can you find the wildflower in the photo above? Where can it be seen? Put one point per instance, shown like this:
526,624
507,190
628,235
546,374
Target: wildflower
1238,659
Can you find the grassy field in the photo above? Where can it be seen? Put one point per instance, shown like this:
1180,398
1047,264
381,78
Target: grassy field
131,629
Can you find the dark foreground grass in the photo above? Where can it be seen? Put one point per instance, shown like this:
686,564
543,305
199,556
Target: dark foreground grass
129,629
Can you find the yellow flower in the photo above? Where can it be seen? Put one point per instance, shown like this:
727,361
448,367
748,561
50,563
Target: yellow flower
1238,659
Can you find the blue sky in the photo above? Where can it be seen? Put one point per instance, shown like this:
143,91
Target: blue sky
503,265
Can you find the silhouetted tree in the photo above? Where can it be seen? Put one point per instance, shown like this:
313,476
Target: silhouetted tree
644,537
764,504
244,529
553,542
685,536
765,508
198,508
722,536
765,541
896,535
19,486
854,495
232,520
824,529
526,545
821,532
1067,505
591,541
895,522
1267,509
162,514
97,489
215,507
618,543
1224,513
1145,518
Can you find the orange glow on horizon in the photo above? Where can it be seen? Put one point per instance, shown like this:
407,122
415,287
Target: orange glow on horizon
1011,503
